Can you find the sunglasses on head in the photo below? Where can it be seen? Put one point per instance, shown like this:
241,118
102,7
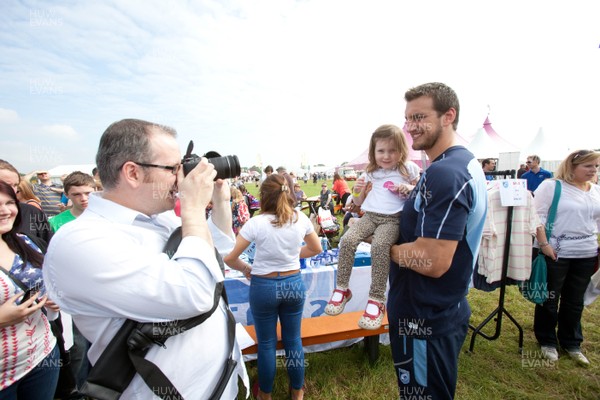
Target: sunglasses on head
582,153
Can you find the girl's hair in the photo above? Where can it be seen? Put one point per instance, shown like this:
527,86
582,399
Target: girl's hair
14,242
236,195
395,134
26,191
276,197
336,177
567,166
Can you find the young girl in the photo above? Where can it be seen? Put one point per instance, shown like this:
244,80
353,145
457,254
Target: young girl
389,178
239,210
276,288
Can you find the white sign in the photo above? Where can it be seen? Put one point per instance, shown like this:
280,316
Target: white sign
513,192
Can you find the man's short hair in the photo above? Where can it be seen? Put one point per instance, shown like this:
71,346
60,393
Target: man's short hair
444,98
485,162
122,141
78,178
281,169
535,158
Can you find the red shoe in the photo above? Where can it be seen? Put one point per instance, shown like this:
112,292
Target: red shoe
370,321
254,390
336,307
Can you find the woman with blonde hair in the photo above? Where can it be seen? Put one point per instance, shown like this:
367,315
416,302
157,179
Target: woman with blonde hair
571,253
277,290
25,194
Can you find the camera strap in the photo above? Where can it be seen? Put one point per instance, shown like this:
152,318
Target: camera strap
125,354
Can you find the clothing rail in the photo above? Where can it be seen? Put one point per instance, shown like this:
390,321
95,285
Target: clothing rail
500,310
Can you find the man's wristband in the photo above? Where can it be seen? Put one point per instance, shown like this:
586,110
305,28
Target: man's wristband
354,194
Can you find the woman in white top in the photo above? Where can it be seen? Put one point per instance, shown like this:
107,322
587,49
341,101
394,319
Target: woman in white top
276,289
29,364
571,253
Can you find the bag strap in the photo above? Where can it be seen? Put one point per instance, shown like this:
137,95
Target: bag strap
125,354
151,374
42,246
552,210
16,280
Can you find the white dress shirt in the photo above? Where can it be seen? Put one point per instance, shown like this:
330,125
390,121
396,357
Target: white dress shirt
108,265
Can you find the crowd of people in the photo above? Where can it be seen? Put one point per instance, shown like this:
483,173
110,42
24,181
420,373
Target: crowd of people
107,248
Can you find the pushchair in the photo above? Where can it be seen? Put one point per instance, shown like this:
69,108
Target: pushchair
328,225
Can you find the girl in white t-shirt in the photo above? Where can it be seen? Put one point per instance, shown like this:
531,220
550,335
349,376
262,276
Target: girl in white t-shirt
388,180
277,290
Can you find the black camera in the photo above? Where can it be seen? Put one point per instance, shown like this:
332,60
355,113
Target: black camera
226,167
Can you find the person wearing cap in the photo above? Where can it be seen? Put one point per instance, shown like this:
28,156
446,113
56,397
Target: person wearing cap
48,192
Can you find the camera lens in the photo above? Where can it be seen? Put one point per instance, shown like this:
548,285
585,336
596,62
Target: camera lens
226,167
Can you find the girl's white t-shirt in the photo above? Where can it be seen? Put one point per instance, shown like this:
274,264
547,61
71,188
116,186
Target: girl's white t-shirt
382,200
277,249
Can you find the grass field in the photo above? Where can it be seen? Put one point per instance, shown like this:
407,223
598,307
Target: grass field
495,369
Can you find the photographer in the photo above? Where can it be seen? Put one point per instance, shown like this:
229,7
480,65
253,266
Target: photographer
108,265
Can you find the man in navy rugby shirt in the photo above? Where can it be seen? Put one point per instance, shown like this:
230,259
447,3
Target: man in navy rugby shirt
431,268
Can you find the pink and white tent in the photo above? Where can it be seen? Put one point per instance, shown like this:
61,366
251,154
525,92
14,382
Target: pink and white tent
487,143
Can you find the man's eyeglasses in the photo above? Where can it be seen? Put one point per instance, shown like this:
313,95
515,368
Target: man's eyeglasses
173,168
415,118
527,162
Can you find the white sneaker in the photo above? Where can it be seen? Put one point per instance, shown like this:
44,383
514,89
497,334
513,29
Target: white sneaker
550,353
578,356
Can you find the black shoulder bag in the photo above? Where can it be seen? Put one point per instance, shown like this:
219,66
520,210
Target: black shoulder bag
124,355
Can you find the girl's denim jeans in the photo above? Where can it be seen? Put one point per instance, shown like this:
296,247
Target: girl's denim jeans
271,299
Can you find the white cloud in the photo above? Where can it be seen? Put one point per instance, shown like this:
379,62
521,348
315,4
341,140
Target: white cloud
8,116
62,132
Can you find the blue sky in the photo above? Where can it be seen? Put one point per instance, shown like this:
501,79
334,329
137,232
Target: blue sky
288,82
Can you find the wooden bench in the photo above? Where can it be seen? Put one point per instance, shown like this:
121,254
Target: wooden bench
326,329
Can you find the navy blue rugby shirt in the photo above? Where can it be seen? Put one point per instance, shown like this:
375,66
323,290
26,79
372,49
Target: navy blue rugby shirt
449,202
